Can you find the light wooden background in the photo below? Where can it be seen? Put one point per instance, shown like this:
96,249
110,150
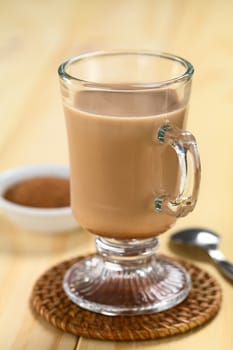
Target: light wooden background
35,37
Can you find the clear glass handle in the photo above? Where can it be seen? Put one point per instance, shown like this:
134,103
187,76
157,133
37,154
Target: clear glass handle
182,142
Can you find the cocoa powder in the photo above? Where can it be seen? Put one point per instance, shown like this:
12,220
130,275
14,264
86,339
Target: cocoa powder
40,192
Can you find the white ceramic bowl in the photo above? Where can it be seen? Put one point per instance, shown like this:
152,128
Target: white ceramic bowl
41,220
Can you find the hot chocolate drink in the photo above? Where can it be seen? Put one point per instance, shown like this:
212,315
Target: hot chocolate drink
135,169
117,164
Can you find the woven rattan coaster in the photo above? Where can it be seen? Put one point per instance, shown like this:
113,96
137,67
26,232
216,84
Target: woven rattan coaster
49,300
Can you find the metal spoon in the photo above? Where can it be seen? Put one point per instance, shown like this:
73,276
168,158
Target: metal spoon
208,241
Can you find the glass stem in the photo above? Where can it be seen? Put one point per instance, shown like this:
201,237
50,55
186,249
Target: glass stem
127,252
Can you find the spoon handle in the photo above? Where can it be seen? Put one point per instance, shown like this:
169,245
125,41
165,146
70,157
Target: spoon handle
225,266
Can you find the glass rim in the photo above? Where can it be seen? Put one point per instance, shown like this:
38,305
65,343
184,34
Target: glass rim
186,75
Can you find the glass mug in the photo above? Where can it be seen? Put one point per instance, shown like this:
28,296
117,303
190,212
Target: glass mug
131,177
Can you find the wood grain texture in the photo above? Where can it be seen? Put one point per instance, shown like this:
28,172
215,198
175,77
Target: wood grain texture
35,36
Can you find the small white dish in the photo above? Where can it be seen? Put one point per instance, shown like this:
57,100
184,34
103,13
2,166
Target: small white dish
42,220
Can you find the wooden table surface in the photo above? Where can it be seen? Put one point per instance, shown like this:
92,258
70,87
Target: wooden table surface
35,37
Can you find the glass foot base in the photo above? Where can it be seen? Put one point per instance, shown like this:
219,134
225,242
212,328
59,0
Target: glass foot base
131,281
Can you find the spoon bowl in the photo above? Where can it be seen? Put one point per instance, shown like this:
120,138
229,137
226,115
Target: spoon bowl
198,237
208,241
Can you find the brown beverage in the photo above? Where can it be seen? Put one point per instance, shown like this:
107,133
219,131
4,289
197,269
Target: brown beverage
117,165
